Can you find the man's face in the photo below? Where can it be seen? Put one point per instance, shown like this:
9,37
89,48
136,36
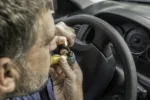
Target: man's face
35,71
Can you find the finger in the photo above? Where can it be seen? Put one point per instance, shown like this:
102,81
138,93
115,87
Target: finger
71,40
73,30
77,70
52,47
58,70
64,30
69,35
60,80
53,74
58,40
66,68
75,66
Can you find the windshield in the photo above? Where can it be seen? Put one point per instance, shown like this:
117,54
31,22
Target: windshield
96,0
140,1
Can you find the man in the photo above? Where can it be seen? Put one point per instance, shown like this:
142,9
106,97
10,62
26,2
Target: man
27,35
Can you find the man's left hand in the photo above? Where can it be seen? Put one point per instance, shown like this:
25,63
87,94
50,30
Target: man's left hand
63,30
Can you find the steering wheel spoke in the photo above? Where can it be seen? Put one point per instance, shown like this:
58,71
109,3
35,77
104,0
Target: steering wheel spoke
98,68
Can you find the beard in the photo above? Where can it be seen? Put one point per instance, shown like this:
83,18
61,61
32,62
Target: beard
30,82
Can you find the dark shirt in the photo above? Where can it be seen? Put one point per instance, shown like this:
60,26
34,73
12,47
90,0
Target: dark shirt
37,95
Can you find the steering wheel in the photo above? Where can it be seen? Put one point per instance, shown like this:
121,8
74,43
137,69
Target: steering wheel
120,47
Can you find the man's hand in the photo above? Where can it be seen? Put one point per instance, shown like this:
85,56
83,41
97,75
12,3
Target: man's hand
67,81
64,35
63,30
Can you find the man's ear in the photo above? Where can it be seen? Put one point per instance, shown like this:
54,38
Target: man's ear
7,76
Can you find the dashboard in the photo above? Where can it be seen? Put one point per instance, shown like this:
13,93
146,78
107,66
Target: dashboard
138,40
131,20
136,36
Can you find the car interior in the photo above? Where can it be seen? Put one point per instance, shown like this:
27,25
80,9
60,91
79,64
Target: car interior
112,46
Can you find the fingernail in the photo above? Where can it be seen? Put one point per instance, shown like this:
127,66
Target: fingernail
61,42
62,23
63,59
66,43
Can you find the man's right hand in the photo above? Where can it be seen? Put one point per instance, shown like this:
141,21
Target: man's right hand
67,81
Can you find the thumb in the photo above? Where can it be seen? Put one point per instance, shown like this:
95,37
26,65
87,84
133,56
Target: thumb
66,68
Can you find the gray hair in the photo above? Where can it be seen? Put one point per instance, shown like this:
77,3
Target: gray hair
18,25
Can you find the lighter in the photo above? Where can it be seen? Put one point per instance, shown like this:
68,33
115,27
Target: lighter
63,51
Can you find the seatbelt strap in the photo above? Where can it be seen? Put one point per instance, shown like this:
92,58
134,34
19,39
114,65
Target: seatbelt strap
44,94
48,92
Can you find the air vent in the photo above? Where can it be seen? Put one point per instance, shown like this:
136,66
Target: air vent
77,28
81,30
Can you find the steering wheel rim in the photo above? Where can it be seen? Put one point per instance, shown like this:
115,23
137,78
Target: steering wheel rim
120,47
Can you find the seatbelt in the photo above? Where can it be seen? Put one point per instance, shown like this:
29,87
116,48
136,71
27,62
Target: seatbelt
48,93
44,94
